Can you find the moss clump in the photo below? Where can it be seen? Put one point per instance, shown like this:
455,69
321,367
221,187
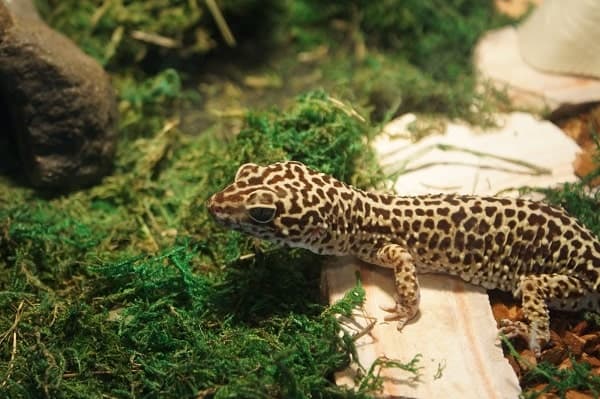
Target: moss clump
118,33
436,36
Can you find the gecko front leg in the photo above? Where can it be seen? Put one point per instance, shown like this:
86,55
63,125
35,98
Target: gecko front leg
405,280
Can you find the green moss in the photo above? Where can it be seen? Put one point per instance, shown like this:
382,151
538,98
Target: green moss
389,86
129,289
119,33
436,36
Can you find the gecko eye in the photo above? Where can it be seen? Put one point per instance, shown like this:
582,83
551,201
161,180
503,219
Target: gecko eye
262,214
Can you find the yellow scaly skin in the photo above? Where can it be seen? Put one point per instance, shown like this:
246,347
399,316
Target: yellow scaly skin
529,248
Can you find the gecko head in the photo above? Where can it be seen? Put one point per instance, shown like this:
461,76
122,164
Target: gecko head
277,202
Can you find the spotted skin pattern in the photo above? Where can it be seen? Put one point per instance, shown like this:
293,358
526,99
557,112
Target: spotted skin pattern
529,248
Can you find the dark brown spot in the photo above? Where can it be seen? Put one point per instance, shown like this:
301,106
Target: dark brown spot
445,243
452,200
484,227
310,217
289,221
528,235
384,213
565,220
509,239
444,226
490,210
386,199
408,213
459,241
358,205
553,230
588,255
411,241
420,212
470,223
499,238
476,209
416,225
325,208
564,253
541,232
529,287
331,192
474,243
433,241
498,221
255,180
458,216
429,224
295,208
468,258
443,211
454,259
346,195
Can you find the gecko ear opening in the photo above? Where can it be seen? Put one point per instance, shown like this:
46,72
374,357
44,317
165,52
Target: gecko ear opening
262,213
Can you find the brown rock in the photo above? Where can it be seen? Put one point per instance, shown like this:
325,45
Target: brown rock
555,355
60,106
515,8
577,395
574,343
580,327
528,360
502,311
591,360
591,341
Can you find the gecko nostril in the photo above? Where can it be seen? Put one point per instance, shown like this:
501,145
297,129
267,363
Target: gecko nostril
212,208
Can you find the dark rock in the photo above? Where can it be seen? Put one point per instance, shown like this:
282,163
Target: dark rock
60,106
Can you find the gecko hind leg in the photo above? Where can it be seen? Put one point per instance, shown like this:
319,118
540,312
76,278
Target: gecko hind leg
537,292
405,281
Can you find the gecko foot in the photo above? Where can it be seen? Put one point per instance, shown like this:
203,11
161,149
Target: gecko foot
397,312
518,329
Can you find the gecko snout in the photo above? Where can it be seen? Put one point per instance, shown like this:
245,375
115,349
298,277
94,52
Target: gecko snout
212,207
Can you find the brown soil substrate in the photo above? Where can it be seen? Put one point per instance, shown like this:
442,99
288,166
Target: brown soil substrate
572,338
